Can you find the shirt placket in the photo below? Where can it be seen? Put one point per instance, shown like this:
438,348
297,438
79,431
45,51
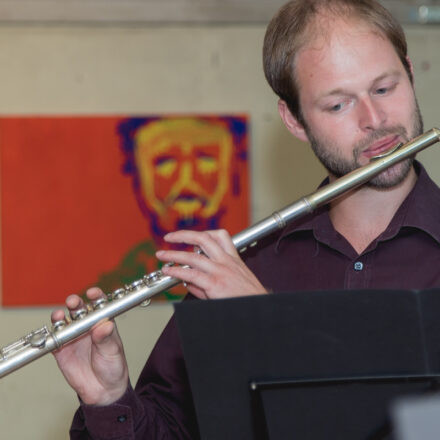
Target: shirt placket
358,272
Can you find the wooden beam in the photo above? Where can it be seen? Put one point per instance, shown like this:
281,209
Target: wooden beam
149,11
180,11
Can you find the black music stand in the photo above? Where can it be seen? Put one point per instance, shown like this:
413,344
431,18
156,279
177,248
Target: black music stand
308,365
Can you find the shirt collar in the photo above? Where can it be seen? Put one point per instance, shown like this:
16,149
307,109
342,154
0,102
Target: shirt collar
420,209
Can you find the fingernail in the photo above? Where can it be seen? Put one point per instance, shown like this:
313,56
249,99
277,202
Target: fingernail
160,253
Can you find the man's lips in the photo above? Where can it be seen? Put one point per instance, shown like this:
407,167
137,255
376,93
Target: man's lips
186,197
381,146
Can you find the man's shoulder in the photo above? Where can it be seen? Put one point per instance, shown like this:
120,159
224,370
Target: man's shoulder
424,204
426,189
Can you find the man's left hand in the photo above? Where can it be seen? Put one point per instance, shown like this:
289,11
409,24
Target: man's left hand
216,272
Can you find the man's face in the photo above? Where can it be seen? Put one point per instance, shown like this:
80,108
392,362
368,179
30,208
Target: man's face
183,166
356,100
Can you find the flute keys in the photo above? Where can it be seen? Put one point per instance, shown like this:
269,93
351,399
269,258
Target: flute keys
59,325
37,340
149,280
118,294
78,314
99,303
145,303
152,277
137,285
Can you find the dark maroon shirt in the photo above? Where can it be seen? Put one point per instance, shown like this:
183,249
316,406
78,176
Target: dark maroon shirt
308,255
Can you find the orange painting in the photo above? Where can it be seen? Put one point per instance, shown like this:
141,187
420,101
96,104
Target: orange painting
87,200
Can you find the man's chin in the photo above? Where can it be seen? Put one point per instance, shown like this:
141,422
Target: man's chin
393,176
170,222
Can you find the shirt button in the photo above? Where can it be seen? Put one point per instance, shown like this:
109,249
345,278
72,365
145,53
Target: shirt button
122,419
358,265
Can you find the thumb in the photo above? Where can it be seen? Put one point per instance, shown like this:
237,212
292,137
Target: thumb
106,339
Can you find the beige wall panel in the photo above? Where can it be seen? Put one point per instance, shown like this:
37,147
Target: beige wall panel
424,43
36,403
135,70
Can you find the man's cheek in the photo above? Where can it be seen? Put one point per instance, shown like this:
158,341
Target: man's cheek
163,186
207,181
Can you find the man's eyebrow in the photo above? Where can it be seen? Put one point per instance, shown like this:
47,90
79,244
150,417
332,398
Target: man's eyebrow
393,73
342,91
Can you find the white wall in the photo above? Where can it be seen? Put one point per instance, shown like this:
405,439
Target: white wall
117,70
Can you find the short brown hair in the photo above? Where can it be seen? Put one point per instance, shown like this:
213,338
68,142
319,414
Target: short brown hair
290,29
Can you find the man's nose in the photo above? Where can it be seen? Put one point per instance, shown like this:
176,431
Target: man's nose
186,171
371,114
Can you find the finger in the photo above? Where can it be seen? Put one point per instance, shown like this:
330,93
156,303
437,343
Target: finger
224,240
74,302
106,339
57,315
192,276
201,239
194,290
102,330
186,258
94,293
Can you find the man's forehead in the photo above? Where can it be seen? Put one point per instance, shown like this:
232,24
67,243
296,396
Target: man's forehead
180,132
348,47
322,32
184,143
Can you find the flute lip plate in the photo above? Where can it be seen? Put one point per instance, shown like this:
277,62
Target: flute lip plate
388,152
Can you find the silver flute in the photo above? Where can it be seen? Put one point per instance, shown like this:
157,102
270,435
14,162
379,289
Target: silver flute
44,340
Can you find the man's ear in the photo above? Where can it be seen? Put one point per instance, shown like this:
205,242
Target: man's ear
292,123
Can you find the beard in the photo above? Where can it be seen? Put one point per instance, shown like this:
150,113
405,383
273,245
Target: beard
330,156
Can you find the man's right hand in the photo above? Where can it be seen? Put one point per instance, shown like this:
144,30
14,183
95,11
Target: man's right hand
94,365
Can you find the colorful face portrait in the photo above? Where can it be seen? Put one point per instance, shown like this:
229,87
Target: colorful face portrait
183,168
105,190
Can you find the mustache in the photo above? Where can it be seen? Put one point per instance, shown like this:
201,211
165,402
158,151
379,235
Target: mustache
187,196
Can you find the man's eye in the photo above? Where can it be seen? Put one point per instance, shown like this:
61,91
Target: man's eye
165,166
336,108
207,164
385,90
382,91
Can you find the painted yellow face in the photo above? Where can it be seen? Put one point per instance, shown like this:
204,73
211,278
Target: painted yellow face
183,166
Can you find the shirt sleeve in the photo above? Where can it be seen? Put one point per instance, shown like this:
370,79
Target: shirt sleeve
160,406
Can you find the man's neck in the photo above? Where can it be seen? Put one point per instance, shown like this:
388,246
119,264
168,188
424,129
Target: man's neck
363,214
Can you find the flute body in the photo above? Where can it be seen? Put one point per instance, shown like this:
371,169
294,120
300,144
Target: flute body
44,340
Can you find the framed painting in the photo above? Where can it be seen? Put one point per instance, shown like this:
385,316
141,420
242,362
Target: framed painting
87,200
